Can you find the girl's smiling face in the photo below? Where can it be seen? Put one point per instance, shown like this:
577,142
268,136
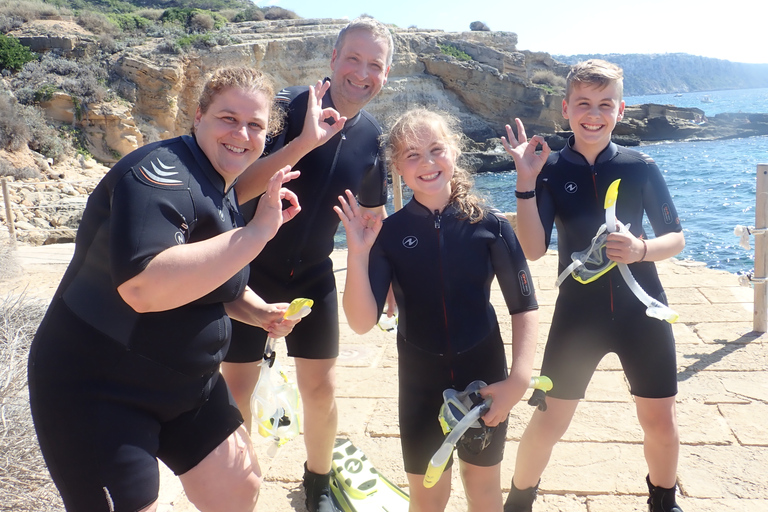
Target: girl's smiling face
427,166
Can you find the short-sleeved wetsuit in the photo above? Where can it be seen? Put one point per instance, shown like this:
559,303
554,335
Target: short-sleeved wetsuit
604,316
296,262
441,268
110,388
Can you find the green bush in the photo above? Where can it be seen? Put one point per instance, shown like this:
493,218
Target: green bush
130,22
449,49
193,20
13,54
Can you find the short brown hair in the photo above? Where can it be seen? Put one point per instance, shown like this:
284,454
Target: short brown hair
596,72
247,79
374,27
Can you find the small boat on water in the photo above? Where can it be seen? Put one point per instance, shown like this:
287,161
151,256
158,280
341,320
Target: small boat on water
678,95
706,99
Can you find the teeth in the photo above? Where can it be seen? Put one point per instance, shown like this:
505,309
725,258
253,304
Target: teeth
234,149
592,127
429,177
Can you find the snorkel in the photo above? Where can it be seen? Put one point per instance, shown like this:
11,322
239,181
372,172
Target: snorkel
460,412
275,399
654,308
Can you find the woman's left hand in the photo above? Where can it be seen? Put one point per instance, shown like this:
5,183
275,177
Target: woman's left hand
505,394
270,214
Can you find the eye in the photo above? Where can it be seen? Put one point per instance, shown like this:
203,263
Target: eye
255,126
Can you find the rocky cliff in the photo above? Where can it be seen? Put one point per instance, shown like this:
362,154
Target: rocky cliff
486,91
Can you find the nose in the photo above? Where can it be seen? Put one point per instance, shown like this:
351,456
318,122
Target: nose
241,131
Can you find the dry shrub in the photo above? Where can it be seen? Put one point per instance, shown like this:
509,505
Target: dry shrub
547,77
25,484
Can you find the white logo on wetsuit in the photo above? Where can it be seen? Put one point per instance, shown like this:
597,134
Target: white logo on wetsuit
410,242
161,176
571,187
221,215
179,236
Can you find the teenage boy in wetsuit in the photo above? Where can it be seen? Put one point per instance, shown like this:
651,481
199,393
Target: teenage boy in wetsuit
568,188
335,144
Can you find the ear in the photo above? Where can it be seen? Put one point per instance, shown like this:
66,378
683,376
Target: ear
565,109
386,75
198,116
621,111
333,59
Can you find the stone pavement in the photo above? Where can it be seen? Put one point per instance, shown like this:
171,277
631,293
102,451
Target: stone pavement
599,465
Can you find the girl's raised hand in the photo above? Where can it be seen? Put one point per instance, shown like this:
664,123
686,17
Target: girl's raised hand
528,163
362,227
270,214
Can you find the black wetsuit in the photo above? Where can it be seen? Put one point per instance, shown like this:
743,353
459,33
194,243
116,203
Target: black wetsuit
604,316
110,388
296,262
441,268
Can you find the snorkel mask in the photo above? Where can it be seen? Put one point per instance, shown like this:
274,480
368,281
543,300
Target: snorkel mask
456,406
275,399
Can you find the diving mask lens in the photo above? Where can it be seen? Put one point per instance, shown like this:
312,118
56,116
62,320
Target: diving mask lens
594,260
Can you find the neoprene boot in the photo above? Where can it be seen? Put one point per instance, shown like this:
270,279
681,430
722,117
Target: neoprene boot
520,500
661,499
318,491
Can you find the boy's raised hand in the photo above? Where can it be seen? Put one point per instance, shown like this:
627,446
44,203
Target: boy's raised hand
362,227
528,163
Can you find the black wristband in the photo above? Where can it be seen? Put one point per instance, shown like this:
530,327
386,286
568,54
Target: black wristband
525,195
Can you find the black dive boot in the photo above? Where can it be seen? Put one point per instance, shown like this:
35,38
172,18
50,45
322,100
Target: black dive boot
520,500
661,499
318,491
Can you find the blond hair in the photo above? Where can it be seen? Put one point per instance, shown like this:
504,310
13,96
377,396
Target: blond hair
246,79
595,72
405,132
374,27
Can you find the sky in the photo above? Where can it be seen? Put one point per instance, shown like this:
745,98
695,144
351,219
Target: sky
721,30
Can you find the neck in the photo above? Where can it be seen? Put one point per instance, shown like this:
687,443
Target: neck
434,201
342,107
589,152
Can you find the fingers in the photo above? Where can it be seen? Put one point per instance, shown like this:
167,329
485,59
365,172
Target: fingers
293,208
521,136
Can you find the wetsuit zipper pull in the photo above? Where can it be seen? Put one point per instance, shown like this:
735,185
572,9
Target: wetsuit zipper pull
437,219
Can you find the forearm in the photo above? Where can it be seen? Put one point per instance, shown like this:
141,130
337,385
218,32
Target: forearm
244,307
664,247
530,232
253,181
358,301
525,334
184,273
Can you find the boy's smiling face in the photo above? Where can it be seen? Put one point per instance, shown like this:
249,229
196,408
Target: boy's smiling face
593,112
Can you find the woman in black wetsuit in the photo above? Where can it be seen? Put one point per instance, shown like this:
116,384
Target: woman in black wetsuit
441,253
124,369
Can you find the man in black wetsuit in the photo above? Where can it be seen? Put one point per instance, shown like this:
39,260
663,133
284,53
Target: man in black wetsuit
335,144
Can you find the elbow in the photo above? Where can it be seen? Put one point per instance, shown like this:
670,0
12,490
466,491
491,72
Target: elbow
532,254
132,296
359,327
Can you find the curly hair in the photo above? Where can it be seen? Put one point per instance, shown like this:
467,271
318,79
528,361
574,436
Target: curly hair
247,79
406,130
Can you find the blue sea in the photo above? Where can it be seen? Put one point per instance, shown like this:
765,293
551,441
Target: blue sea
713,183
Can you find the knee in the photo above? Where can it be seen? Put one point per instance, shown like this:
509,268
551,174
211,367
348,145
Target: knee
237,496
661,427
318,391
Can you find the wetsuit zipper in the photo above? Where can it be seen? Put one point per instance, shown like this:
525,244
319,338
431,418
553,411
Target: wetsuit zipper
597,198
449,348
296,258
